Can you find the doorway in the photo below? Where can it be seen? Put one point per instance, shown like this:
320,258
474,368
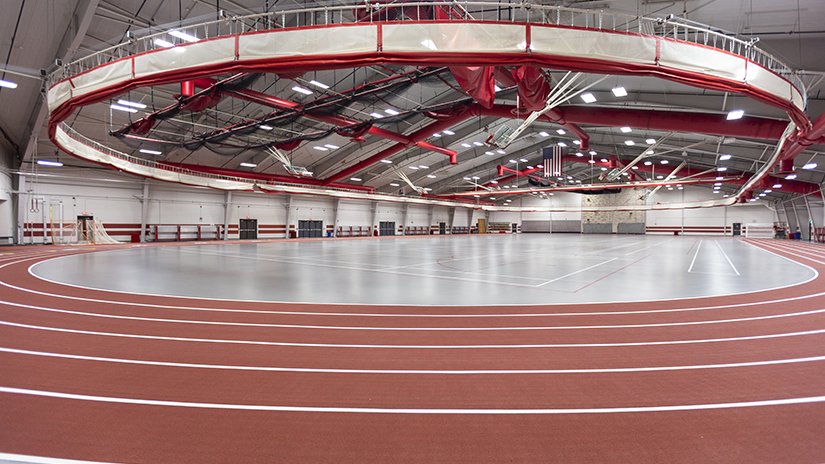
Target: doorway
248,229
386,228
310,229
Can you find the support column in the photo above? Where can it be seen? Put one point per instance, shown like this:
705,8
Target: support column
227,213
404,219
144,210
798,221
810,218
22,197
451,220
288,206
335,217
374,211
430,212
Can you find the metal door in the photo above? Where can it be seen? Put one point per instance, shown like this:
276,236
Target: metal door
442,228
386,228
248,229
737,229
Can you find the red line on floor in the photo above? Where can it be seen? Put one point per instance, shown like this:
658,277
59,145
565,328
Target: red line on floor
608,275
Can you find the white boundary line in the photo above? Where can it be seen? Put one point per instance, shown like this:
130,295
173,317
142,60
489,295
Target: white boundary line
695,255
576,272
544,303
726,257
429,347
413,329
414,371
15,458
257,407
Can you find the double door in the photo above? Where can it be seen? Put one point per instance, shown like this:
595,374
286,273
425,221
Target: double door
386,228
310,229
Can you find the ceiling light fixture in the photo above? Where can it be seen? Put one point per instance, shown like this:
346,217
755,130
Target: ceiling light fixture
391,112
393,184
164,43
319,84
265,127
721,169
414,168
331,146
579,154
588,97
619,91
544,134
736,114
593,152
650,141
664,161
500,151
355,179
386,161
724,157
431,176
790,177
489,153
777,186
629,143
302,90
131,103
626,129
376,115
319,148
809,166
150,152
448,132
49,163
436,135
248,165
560,131
523,160
478,144
423,166
123,108
577,142
466,145
476,178
183,36
561,144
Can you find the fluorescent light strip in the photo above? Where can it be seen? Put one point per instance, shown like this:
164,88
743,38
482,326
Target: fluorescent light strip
8,84
131,103
248,165
150,152
265,127
49,163
319,84
123,108
183,36
164,43
619,91
302,90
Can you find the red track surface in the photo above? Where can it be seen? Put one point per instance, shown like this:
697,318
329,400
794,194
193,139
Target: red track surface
421,415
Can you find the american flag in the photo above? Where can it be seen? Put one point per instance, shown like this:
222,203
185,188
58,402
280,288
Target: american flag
552,161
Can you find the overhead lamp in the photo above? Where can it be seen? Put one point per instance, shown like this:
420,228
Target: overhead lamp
721,169
183,36
523,160
604,168
664,161
466,178
629,143
164,43
603,160
809,166
513,161
592,152
448,132
680,187
492,198
544,134
588,97
248,165
496,88
320,148
302,90
649,152
724,157
265,127
422,166
717,184
768,190
753,199
577,142
619,91
489,153
762,194
150,152
777,186
578,182
626,129
529,167
476,178
660,177
393,184
635,167
376,115
560,131
650,141
436,135
466,145
501,152
648,163
8,84
319,84
431,176
716,191
386,161
506,186
391,111
591,161
735,114
131,104
331,146
719,178
561,144
123,108
494,182
49,163
790,177
579,154
478,144
355,179
414,168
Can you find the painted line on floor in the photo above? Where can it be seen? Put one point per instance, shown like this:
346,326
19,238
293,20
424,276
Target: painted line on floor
22,458
412,329
433,347
726,257
574,273
260,407
413,371
695,255
608,275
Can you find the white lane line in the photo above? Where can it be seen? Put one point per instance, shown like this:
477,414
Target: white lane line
413,329
574,273
413,371
645,248
311,313
726,257
15,458
261,407
695,255
785,249
429,347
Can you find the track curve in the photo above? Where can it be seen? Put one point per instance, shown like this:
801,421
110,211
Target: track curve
115,377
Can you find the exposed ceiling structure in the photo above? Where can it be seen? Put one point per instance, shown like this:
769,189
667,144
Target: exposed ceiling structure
368,127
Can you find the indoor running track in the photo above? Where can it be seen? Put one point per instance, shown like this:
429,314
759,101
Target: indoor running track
106,376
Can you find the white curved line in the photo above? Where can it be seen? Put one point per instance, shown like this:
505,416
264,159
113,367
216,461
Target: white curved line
311,313
345,345
17,458
414,371
258,407
412,329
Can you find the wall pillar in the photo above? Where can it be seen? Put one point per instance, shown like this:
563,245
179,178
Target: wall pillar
288,207
22,198
227,213
335,217
144,210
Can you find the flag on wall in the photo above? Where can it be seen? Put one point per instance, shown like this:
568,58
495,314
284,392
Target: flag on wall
552,161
